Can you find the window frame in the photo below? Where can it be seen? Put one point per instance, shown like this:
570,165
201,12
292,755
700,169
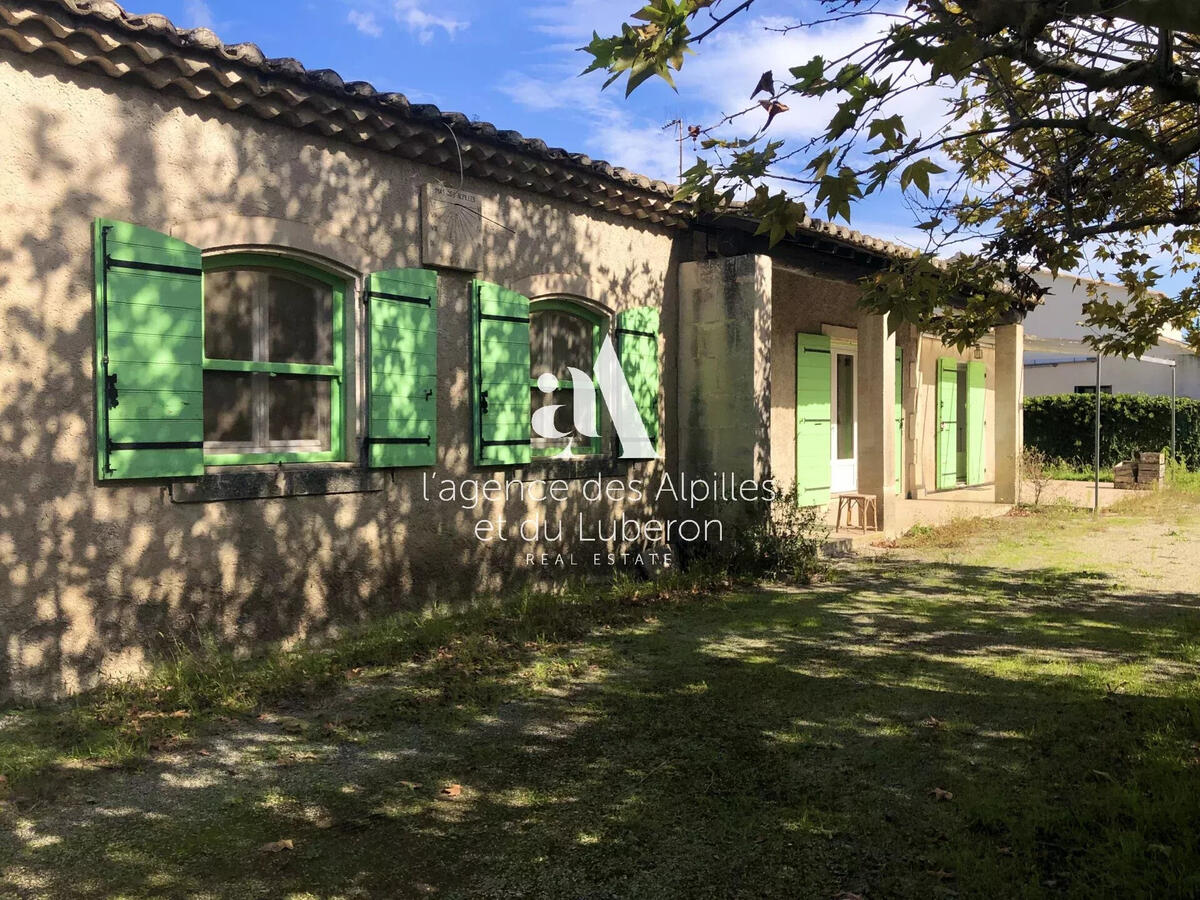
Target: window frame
601,324
337,373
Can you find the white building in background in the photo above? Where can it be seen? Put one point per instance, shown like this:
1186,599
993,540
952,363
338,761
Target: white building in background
1071,367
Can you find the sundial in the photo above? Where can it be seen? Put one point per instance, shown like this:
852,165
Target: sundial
452,226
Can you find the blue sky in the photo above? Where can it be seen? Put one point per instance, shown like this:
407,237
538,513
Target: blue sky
515,64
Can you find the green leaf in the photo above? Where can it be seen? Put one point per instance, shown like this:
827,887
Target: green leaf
917,174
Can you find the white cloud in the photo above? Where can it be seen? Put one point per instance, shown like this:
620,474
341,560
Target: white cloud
719,79
425,24
716,81
573,21
365,22
198,14
612,130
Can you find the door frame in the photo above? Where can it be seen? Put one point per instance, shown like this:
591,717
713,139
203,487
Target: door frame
842,466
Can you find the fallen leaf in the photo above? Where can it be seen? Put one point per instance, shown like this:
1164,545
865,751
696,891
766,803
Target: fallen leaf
278,846
290,724
942,874
453,790
413,785
932,722
939,794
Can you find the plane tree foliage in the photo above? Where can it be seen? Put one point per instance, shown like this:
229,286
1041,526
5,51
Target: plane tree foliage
1070,141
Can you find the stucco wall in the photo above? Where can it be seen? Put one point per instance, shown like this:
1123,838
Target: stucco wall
805,303
94,575
801,303
1061,311
1127,376
725,365
922,373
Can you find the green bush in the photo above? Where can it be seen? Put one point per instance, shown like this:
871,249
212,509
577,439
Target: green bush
1063,427
785,544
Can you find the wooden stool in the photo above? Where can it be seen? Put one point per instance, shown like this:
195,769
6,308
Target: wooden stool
865,503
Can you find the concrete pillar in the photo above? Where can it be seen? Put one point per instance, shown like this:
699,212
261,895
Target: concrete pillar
1010,365
724,381
876,414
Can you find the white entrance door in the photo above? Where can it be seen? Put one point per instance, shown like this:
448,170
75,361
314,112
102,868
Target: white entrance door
844,384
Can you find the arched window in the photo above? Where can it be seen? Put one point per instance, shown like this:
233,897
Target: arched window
273,361
564,334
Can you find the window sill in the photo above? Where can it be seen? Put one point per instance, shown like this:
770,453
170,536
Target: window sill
274,482
575,469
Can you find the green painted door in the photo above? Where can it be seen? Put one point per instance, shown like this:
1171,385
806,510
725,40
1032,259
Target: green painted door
947,423
813,432
899,421
976,394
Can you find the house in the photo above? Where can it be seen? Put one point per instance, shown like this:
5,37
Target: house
279,353
1057,361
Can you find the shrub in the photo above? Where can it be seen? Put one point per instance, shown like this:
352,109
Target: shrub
784,544
1063,427
1035,471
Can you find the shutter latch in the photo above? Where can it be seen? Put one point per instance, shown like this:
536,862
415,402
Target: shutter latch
483,403
110,391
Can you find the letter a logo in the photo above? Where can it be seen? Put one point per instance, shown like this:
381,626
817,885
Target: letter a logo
618,398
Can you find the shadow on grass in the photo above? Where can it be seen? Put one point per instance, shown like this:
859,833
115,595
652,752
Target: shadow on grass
775,743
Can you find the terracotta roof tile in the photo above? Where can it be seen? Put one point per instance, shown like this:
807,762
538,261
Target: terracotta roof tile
124,44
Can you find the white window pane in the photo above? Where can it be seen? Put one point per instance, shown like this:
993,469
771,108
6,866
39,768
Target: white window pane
299,318
845,406
229,298
299,410
559,340
228,407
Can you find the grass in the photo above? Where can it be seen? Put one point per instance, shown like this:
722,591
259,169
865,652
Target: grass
1062,471
985,711
121,722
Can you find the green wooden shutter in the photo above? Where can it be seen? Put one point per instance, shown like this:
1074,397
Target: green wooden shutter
947,423
976,398
814,432
500,372
149,354
401,306
637,347
899,421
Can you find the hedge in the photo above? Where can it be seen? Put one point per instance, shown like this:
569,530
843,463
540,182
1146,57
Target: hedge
1063,427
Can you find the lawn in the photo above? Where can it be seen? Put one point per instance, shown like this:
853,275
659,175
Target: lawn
1003,708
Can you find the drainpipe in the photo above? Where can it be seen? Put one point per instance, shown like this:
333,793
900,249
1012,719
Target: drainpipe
1096,499
1173,398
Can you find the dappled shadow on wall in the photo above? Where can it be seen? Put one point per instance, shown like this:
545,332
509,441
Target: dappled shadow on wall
98,577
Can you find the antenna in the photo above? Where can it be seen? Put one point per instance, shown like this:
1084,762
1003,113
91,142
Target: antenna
677,124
